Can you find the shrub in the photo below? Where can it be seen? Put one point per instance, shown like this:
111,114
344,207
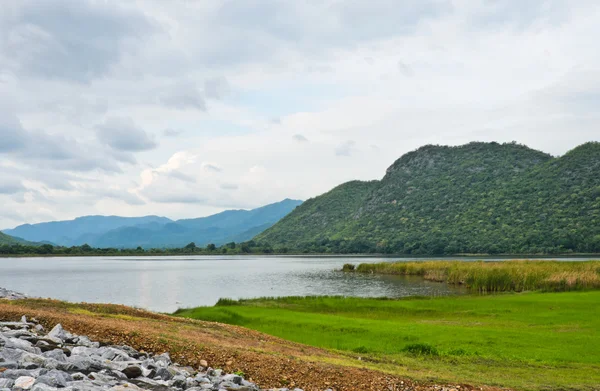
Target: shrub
421,349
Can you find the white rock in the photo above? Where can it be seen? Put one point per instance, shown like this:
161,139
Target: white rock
24,383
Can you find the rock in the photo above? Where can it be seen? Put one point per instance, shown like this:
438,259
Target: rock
55,378
132,372
8,365
42,387
56,354
24,383
163,360
20,344
235,379
164,374
61,360
57,333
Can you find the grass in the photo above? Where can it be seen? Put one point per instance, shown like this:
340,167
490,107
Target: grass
517,276
528,341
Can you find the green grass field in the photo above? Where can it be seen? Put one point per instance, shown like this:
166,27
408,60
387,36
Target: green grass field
528,341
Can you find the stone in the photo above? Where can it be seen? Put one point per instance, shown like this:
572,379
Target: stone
178,381
56,354
164,374
57,333
9,365
203,364
132,372
163,360
20,344
55,378
6,383
235,379
24,383
42,387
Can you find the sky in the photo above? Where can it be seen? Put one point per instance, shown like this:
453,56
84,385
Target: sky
188,107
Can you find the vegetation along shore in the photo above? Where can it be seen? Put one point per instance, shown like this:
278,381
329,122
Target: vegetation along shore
482,276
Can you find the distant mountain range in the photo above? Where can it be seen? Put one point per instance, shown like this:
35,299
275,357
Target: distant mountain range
154,231
474,198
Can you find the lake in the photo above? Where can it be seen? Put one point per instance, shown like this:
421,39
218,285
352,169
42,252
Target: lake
166,283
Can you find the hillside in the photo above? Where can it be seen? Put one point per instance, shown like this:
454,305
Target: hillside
475,198
10,240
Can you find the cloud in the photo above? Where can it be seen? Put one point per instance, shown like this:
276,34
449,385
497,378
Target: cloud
12,135
181,176
121,133
216,88
345,149
229,186
172,132
171,169
118,194
211,167
183,95
432,71
11,186
405,69
176,198
76,40
300,138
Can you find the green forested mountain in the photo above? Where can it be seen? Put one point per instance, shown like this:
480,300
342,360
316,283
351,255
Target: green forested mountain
10,240
475,198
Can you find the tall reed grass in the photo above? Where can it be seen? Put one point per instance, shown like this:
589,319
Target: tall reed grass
499,276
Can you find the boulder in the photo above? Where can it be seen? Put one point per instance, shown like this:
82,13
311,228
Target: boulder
132,372
23,383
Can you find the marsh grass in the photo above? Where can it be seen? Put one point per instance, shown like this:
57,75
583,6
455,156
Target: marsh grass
503,276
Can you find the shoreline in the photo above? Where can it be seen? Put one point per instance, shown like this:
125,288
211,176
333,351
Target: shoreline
318,255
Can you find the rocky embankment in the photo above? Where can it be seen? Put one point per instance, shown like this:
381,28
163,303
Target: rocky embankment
31,359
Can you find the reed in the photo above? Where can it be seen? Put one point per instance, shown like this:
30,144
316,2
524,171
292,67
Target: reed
499,276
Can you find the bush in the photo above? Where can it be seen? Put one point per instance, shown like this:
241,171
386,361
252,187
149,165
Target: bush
421,349
348,267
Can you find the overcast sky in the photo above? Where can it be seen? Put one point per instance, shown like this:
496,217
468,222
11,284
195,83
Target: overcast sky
186,108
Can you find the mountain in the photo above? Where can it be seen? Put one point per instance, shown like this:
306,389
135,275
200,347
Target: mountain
228,226
158,232
474,198
80,230
10,240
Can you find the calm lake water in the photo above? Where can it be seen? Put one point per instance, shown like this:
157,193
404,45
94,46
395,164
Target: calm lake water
167,283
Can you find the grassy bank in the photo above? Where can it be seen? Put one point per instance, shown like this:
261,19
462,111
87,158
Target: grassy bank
480,276
531,341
